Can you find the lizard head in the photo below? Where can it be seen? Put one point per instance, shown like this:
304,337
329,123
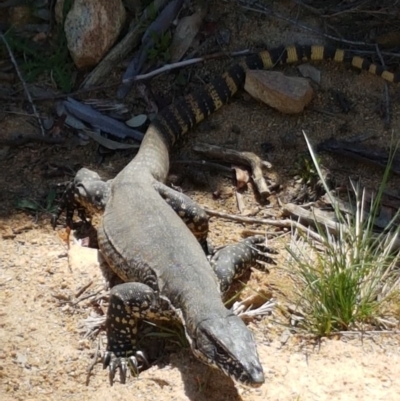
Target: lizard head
90,192
228,345
92,195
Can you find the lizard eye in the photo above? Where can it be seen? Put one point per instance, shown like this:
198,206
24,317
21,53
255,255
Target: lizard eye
219,350
80,190
98,198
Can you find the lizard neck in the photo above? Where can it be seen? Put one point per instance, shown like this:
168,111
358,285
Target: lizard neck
153,154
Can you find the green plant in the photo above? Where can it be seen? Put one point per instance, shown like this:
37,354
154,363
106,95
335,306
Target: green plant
161,46
305,169
347,278
175,333
35,60
48,206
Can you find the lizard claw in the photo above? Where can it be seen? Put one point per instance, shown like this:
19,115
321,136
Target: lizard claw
122,370
114,362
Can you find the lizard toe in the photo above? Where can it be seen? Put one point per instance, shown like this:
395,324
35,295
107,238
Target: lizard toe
135,363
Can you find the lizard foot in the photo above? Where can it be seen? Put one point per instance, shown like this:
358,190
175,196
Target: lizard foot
114,361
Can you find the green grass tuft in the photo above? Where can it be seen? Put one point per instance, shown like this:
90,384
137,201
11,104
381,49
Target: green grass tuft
347,278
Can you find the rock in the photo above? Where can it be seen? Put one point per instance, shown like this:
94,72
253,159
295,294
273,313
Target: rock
289,95
309,71
91,28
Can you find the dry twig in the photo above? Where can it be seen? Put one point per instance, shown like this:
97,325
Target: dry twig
83,289
21,78
95,359
286,223
185,63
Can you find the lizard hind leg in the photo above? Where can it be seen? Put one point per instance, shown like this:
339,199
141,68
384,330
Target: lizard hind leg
232,261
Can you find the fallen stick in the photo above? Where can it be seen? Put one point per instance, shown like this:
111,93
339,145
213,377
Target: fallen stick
232,156
312,218
25,86
286,223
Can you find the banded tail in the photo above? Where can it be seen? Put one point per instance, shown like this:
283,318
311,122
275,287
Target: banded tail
173,122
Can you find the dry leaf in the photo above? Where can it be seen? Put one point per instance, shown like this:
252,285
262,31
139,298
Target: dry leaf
64,235
242,177
186,31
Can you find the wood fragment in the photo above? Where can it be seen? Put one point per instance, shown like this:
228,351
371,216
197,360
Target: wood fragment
240,202
9,234
249,233
232,156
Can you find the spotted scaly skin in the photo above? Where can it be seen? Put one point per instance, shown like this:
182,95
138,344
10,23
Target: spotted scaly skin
148,245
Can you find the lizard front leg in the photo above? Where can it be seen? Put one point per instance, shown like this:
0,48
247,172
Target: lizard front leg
88,193
128,303
192,214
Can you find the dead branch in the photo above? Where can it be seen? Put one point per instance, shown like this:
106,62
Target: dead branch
248,233
21,78
312,218
286,223
232,156
240,202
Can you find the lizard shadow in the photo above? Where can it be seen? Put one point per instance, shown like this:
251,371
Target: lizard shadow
201,382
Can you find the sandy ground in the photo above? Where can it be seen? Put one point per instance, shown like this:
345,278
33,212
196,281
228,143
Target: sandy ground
44,357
